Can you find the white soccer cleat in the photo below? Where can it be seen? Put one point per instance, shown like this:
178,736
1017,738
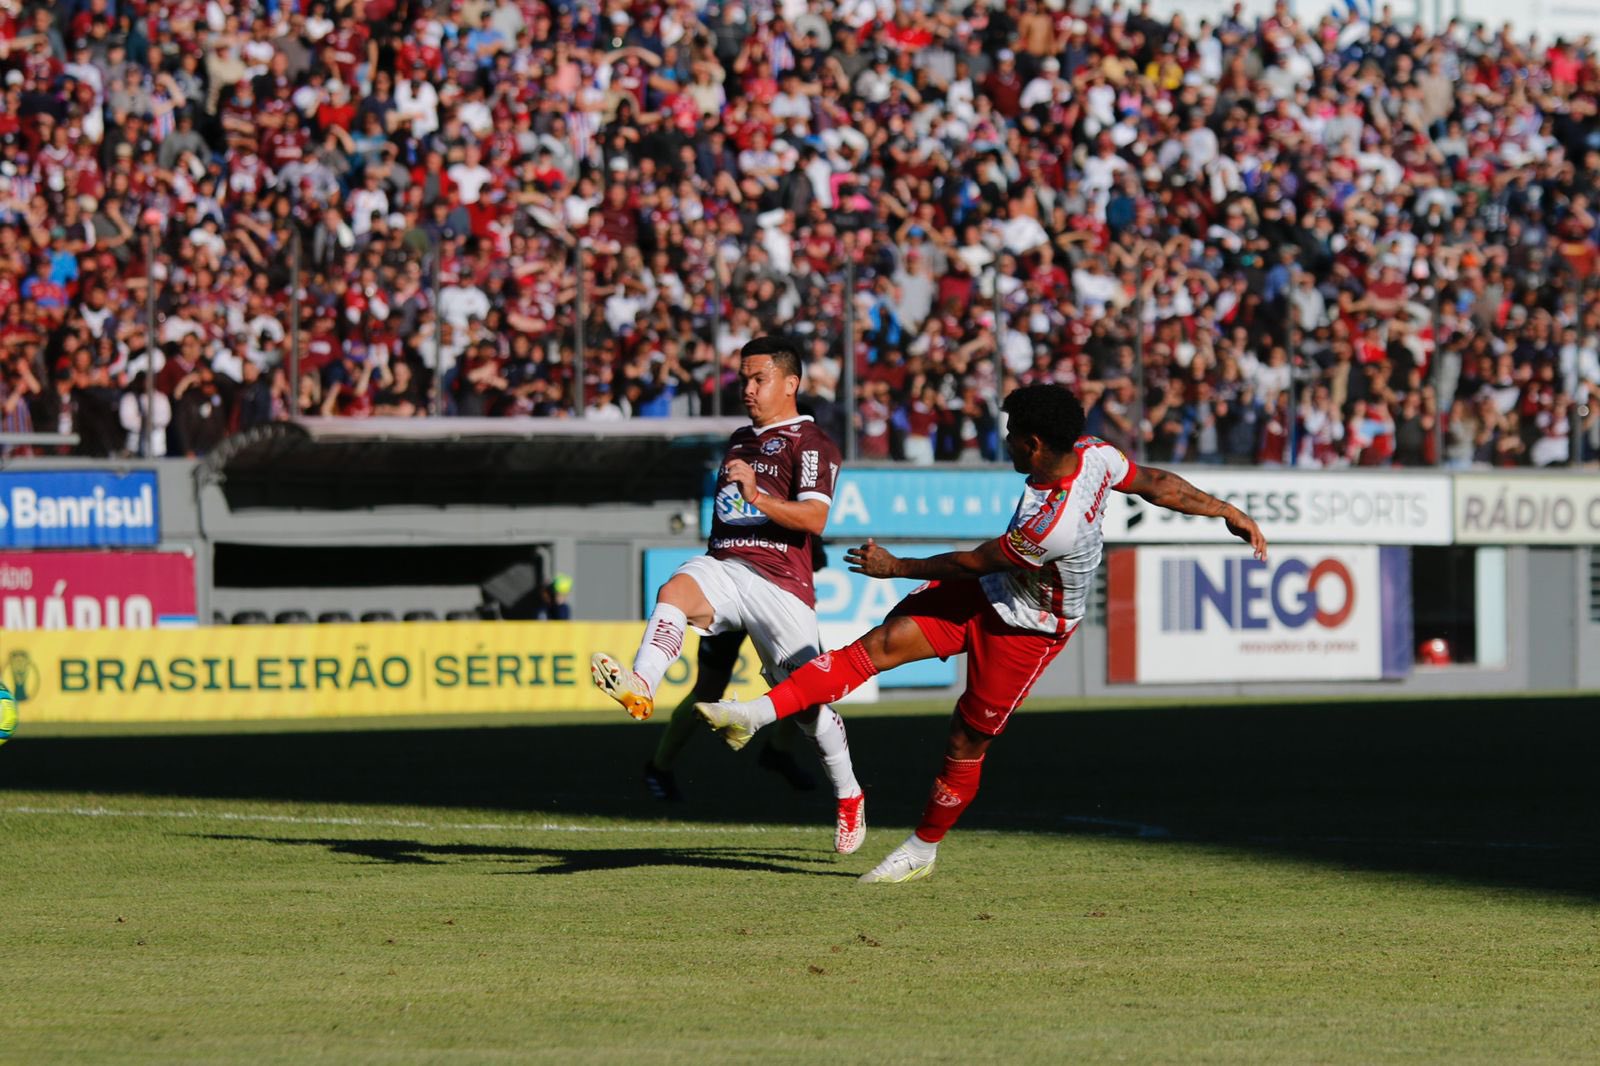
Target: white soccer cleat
730,720
622,685
897,868
850,829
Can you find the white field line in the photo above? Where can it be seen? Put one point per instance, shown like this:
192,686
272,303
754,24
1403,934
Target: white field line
1144,831
393,823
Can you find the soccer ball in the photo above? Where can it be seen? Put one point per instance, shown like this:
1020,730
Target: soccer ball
8,715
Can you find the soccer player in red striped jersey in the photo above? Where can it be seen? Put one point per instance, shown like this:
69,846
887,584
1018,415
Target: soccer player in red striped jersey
1010,604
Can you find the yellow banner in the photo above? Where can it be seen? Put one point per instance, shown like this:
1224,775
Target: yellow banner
326,670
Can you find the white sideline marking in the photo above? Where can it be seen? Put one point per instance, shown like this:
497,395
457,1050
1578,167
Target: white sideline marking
395,823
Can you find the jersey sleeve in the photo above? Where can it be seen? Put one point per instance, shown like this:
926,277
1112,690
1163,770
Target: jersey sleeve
1123,469
816,468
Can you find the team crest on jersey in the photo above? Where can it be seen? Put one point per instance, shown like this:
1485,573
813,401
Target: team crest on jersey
772,446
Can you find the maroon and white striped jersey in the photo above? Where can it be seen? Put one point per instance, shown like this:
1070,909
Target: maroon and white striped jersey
793,460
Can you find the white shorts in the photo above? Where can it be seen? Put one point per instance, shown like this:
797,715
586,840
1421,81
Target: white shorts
782,628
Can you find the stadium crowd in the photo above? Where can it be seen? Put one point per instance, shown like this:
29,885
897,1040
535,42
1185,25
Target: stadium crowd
1242,242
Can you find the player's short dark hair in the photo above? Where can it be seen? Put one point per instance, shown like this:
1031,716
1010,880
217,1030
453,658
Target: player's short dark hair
784,350
1047,411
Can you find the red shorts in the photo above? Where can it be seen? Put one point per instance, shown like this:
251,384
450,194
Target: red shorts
1003,661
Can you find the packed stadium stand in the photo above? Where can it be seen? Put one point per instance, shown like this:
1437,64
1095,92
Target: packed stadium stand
1255,241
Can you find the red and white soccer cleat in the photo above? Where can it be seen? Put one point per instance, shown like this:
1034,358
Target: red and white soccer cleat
850,829
622,685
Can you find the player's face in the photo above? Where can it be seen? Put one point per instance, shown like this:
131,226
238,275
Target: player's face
768,392
1024,450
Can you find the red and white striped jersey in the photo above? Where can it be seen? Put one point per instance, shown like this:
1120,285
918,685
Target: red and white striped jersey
1055,542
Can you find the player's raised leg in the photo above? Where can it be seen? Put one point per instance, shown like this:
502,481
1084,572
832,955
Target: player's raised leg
829,677
784,632
680,604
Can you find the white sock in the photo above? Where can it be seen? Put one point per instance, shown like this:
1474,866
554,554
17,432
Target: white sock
920,849
827,732
662,643
762,712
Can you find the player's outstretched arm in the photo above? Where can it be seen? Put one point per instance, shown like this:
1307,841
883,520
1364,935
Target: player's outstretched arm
1166,489
876,561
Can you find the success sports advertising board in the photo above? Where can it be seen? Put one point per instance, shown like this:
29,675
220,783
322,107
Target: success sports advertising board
1213,614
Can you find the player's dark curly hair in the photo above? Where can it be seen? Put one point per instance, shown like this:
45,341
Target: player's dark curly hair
785,352
1050,412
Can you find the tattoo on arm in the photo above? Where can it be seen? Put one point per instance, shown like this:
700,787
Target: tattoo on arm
1166,489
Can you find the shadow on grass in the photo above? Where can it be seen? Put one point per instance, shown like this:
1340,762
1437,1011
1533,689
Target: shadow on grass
399,852
1493,791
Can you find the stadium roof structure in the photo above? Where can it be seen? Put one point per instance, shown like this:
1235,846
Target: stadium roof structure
346,464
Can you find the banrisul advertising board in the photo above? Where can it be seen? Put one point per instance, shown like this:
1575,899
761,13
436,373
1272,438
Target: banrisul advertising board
79,509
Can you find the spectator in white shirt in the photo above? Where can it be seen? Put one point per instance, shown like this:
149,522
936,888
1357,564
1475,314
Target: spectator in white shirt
416,101
470,175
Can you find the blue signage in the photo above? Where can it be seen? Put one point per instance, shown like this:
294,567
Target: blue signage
79,509
918,502
852,601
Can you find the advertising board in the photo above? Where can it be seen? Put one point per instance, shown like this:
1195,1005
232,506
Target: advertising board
1314,613
916,502
78,509
1297,508
1527,509
96,590
1293,507
216,673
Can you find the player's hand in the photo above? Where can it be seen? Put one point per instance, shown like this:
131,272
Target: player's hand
743,474
1244,527
871,559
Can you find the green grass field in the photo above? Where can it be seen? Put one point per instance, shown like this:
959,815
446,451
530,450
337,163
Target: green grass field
1338,882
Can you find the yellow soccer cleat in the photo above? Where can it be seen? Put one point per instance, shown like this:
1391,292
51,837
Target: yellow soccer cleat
898,867
729,720
622,685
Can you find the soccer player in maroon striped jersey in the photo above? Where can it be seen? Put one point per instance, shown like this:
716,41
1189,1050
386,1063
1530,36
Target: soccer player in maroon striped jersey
1010,604
771,501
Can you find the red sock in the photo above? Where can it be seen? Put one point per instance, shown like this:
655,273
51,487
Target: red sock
826,678
952,791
